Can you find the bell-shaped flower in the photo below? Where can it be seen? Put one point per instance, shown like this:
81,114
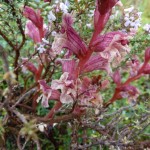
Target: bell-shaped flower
69,39
68,65
147,55
47,93
128,91
96,62
102,14
86,91
106,40
146,70
35,17
116,51
133,65
32,31
117,77
67,87
29,66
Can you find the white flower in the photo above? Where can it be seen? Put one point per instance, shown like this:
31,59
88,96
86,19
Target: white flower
127,23
139,14
63,7
51,17
67,3
53,33
132,19
41,48
45,41
89,25
147,27
42,126
91,14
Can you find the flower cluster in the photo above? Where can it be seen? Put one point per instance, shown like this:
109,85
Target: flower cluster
104,52
147,28
132,18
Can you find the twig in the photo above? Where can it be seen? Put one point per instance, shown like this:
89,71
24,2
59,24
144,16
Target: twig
26,95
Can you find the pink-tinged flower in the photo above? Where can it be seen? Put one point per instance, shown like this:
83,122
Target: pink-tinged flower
105,84
68,91
58,43
105,6
47,93
35,17
147,54
134,66
129,92
116,51
97,100
117,77
29,66
32,31
96,62
146,70
69,39
68,65
102,14
86,91
104,41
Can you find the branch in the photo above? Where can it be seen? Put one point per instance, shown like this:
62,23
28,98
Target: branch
7,40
